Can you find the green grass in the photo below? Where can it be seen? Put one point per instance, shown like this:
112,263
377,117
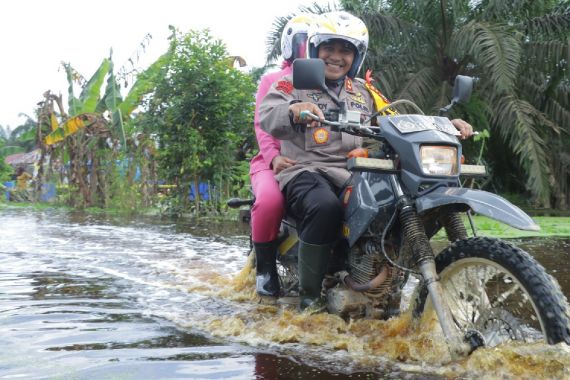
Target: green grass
549,226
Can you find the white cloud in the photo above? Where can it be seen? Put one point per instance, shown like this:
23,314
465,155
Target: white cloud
36,36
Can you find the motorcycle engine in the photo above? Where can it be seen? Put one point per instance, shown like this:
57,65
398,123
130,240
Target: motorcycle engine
366,261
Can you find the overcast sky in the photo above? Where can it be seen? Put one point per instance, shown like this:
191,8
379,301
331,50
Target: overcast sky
37,35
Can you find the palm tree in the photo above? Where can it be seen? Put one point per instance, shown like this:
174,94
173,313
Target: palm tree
518,50
20,139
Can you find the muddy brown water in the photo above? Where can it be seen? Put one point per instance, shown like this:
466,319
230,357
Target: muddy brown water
99,297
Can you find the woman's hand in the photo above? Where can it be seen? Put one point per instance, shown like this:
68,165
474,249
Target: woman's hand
296,109
463,127
280,163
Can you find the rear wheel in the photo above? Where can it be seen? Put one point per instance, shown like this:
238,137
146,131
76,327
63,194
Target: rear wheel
499,292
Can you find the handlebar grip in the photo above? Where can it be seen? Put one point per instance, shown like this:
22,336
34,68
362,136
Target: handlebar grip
237,202
308,115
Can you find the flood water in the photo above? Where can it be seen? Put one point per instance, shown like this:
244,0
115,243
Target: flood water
98,297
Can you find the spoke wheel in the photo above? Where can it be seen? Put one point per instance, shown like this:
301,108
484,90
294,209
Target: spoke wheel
501,293
288,278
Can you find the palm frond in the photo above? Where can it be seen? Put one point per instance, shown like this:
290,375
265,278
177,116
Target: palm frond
418,87
494,47
273,40
548,93
548,55
554,24
493,10
562,94
518,123
532,86
389,78
386,27
558,113
424,12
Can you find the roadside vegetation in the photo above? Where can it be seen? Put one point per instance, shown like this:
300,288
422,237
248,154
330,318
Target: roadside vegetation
176,138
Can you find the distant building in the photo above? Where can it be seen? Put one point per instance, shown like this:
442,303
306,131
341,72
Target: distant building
28,160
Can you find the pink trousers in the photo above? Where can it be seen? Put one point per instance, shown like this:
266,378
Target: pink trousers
269,207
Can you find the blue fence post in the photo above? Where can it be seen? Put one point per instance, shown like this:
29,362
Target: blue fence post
9,185
48,192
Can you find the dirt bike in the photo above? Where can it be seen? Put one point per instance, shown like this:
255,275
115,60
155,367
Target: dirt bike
484,291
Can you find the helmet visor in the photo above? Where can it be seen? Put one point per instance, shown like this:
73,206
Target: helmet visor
299,45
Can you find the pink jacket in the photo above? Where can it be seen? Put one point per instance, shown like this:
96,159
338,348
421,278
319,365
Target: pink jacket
269,146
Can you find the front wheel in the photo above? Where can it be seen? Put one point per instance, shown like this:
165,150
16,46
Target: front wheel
501,293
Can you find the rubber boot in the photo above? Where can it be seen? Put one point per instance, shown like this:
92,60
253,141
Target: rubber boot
266,278
313,263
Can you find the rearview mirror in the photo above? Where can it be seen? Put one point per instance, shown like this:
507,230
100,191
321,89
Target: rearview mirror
309,74
461,93
462,89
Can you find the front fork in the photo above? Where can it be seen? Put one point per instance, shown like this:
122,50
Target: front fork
424,257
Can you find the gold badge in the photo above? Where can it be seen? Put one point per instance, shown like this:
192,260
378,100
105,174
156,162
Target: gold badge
345,231
321,136
358,98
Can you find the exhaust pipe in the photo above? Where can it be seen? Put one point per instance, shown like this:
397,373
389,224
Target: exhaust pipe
372,284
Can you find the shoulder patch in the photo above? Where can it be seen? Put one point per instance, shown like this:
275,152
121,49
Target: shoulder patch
284,86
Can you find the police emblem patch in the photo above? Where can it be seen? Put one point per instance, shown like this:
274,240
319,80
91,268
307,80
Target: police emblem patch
321,135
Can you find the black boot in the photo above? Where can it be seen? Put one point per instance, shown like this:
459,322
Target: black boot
266,278
313,262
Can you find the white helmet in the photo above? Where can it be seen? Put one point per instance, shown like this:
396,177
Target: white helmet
340,26
294,36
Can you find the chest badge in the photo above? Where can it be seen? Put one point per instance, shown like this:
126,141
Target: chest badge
316,96
358,98
321,135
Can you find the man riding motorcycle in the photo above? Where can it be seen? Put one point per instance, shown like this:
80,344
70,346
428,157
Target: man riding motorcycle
312,185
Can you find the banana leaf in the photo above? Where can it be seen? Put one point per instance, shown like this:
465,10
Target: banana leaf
91,93
112,97
73,102
118,128
144,84
68,128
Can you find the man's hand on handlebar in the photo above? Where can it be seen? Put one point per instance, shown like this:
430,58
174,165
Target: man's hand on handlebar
463,127
296,109
281,162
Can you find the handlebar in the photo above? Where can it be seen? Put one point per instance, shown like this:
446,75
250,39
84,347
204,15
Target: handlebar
349,123
236,202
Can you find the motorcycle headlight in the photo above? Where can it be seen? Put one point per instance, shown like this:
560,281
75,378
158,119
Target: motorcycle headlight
439,160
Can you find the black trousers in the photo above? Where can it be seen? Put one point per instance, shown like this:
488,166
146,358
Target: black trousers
312,200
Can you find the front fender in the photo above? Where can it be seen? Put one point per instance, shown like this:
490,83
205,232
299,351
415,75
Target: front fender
482,202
